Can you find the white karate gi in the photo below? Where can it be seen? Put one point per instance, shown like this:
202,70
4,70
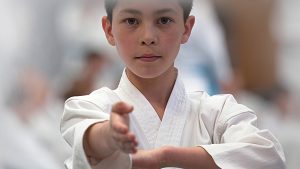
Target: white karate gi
224,128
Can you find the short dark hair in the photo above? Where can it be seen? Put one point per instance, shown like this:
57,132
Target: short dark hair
185,4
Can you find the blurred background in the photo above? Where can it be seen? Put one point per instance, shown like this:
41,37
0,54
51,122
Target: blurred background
51,50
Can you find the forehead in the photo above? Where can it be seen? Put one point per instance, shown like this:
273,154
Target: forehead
143,6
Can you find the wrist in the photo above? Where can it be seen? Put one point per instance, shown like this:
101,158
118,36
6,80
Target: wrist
165,156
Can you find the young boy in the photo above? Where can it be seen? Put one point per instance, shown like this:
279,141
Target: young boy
149,121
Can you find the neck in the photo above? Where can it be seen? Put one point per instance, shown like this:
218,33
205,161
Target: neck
156,90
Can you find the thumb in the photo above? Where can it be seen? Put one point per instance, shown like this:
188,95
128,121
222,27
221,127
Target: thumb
122,108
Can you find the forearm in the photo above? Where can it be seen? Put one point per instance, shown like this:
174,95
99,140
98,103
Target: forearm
188,158
97,142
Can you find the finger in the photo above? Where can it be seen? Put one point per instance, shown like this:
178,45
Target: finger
132,137
124,138
134,150
124,147
135,143
122,108
126,143
128,147
120,128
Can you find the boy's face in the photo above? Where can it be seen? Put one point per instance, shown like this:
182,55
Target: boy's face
148,34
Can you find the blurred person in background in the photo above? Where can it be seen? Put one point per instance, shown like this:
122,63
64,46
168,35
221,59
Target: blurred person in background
19,125
81,35
253,50
19,146
85,82
25,90
31,50
204,60
34,109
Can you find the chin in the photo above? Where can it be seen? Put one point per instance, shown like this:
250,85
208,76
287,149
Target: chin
147,74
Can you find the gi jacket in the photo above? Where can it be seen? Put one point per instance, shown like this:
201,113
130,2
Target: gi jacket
225,129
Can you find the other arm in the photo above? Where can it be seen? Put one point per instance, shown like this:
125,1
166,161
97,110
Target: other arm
188,158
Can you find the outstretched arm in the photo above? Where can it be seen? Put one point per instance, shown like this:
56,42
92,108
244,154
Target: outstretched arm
103,139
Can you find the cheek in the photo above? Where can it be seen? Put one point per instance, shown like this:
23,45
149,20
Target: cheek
124,44
173,35
172,42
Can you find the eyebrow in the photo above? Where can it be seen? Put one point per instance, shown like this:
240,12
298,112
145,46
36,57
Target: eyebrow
158,12
166,10
131,11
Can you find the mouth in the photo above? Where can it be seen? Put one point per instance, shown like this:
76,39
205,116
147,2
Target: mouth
148,58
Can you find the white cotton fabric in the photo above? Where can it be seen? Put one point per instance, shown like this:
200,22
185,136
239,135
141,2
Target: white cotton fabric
225,129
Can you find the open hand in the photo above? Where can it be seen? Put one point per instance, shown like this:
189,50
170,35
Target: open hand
124,140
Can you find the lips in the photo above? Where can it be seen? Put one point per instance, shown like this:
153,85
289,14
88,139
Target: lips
148,58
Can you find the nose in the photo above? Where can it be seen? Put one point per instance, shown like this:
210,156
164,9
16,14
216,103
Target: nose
148,36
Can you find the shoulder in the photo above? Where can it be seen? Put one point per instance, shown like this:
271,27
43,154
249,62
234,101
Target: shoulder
99,99
205,98
216,101
223,106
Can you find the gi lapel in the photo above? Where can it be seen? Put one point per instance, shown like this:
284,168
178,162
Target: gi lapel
144,117
174,119
156,133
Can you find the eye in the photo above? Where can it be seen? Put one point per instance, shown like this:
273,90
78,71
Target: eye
131,21
164,20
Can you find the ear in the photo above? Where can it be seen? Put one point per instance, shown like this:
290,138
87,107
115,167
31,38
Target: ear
188,26
107,28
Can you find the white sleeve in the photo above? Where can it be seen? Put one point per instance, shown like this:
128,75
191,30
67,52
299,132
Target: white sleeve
79,114
239,144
